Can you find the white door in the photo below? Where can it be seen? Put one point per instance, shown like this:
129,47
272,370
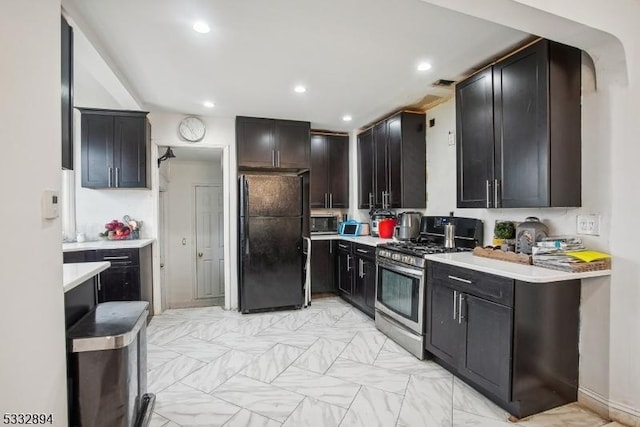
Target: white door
209,242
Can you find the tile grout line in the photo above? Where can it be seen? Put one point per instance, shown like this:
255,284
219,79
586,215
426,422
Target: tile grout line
350,404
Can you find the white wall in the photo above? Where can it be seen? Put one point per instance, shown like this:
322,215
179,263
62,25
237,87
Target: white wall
612,37
180,223
33,368
96,86
220,134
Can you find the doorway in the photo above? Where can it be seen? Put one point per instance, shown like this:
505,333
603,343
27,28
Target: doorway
194,228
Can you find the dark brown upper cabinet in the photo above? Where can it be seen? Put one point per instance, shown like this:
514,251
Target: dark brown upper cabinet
272,144
329,180
66,56
392,163
518,131
115,148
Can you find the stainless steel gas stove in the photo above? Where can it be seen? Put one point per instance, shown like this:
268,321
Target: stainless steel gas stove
401,278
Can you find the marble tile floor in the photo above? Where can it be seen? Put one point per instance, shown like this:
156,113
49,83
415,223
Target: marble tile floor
324,366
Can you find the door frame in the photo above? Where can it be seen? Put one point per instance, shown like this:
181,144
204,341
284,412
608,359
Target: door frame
194,236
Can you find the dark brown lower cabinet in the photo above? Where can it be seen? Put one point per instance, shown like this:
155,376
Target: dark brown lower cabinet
322,266
120,284
356,275
515,342
343,276
129,278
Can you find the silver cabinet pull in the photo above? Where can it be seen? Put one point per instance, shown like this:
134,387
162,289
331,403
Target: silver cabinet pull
278,158
117,177
330,248
360,268
110,177
111,258
342,246
362,251
460,280
488,194
331,200
370,200
348,262
497,197
455,306
273,158
460,316
325,200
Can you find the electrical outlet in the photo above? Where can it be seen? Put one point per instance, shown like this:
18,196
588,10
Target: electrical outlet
452,138
588,224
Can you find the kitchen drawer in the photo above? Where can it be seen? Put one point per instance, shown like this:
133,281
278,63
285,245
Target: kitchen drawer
364,251
119,257
482,285
78,256
344,246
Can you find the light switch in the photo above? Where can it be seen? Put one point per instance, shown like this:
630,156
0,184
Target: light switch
588,224
184,241
50,203
452,138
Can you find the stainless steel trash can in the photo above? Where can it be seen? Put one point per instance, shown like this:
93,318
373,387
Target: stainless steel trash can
108,351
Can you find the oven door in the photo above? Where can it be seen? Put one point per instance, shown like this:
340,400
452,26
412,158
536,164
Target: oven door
400,294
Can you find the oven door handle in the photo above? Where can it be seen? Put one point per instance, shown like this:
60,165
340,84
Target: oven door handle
413,272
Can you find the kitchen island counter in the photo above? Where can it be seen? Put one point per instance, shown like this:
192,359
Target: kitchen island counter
525,273
106,244
77,273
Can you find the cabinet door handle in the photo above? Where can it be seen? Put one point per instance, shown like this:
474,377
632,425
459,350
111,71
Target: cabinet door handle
110,177
455,305
342,246
273,158
460,316
362,251
117,177
360,269
331,200
330,248
469,282
488,194
110,258
325,200
278,158
348,262
497,197
370,200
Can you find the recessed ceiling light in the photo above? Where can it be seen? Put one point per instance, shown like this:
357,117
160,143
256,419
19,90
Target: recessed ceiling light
424,66
208,104
300,89
346,118
201,27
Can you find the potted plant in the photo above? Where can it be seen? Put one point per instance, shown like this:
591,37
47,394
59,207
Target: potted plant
502,232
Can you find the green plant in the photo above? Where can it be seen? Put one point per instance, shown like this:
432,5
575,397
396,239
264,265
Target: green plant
504,230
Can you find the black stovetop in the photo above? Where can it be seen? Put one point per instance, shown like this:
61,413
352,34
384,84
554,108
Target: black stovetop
421,247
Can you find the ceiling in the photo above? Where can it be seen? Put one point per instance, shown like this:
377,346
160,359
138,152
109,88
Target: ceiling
355,57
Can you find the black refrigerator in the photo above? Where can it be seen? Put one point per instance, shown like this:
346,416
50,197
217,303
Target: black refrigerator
272,215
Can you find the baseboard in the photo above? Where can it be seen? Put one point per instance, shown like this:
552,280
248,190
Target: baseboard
614,411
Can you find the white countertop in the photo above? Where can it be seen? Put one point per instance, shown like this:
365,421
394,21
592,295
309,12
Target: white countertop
525,273
74,274
365,240
106,244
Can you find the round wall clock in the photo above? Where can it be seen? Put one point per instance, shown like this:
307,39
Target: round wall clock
191,129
